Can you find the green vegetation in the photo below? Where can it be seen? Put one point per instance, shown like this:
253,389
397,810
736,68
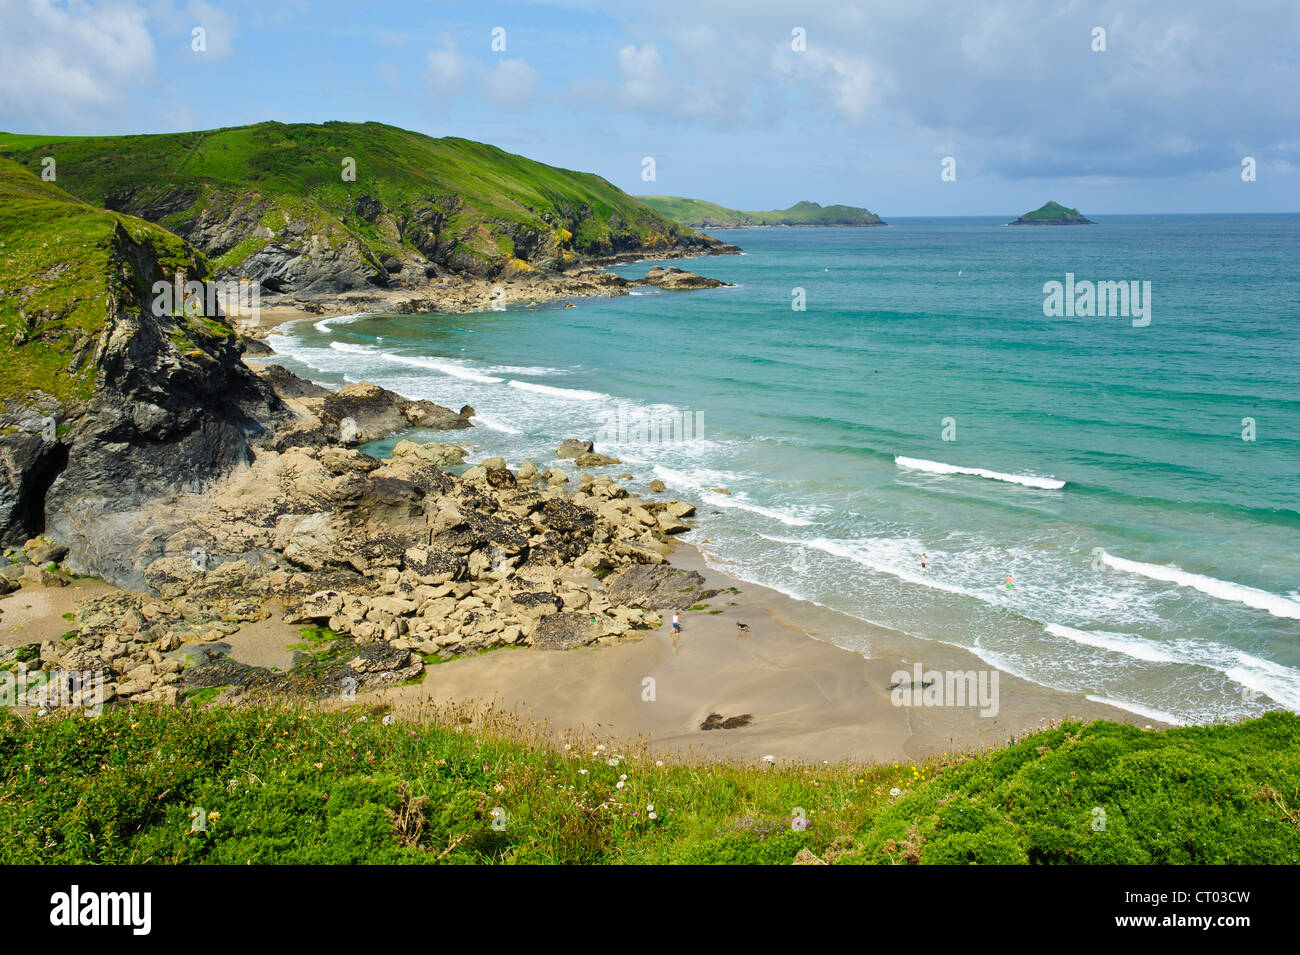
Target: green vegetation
291,785
464,203
699,214
1053,213
65,266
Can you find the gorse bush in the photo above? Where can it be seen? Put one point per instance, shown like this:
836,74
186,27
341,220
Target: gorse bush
295,785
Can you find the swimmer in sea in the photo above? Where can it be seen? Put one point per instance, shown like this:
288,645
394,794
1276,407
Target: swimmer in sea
1008,581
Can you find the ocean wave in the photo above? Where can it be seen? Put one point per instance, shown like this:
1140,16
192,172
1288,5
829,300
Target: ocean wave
575,394
860,552
938,467
1121,643
353,349
493,425
1275,604
1263,677
325,324
1149,712
703,481
443,367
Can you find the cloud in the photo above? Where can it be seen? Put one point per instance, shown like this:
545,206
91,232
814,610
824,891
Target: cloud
508,84
511,84
445,68
69,64
1014,86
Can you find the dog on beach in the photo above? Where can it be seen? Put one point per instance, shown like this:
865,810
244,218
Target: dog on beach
742,627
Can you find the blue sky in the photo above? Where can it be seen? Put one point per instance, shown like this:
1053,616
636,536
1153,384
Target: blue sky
718,94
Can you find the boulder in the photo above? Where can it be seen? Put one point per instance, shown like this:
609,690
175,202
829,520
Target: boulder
592,460
439,455
564,631
658,486
571,448
40,551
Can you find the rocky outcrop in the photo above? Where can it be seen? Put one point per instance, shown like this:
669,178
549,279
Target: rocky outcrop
675,279
172,405
400,561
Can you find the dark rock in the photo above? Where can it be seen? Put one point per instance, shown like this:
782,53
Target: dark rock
655,587
564,631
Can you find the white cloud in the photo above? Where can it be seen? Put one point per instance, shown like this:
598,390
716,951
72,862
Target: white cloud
445,68
68,64
511,84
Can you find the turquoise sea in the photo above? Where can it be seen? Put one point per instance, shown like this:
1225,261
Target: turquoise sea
922,403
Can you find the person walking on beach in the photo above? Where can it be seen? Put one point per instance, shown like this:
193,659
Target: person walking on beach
677,624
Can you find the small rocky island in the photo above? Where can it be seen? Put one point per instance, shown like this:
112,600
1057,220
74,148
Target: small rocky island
1053,213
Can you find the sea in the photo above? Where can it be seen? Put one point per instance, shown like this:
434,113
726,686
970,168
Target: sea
898,424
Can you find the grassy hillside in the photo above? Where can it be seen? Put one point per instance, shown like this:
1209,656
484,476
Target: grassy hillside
288,785
699,214
464,205
64,266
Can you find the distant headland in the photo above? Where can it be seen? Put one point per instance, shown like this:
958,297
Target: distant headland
697,213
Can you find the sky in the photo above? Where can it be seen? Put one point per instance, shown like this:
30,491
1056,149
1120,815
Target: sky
1132,106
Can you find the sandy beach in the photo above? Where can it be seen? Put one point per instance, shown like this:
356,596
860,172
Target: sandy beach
808,699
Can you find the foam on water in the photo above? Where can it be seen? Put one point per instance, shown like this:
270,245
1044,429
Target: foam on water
1123,643
1275,604
1149,712
325,324
443,367
938,467
575,394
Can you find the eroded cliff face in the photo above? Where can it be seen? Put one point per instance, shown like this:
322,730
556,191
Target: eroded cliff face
311,251
172,406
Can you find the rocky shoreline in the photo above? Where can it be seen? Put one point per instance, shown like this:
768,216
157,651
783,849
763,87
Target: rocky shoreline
392,564
459,294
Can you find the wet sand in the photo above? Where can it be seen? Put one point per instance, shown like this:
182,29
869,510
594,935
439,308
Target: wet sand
808,699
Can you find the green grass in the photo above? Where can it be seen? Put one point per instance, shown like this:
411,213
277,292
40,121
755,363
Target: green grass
485,201
699,214
293,785
65,266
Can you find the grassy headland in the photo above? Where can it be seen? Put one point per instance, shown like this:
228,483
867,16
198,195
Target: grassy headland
289,785
699,214
467,206
65,266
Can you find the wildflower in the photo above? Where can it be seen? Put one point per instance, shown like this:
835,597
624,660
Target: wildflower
388,720
769,759
319,765
895,791
582,771
623,776
659,762
567,747
613,761
214,815
600,747
620,784
651,815
650,808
